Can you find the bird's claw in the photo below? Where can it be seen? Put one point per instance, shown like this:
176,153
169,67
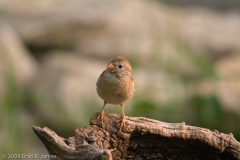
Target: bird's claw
101,116
122,120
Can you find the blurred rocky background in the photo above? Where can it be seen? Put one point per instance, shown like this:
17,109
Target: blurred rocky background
185,58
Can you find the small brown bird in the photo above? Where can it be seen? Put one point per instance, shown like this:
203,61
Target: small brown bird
115,85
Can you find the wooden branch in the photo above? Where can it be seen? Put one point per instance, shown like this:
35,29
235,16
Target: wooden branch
142,138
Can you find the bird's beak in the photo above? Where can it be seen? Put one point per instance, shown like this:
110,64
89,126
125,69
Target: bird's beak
110,66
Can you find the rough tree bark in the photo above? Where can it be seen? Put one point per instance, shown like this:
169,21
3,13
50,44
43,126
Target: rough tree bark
142,138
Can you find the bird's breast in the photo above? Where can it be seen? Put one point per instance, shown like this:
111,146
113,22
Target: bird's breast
115,90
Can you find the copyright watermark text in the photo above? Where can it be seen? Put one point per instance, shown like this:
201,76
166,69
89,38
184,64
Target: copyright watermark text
28,156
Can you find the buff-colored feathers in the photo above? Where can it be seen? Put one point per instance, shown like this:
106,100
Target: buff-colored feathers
115,84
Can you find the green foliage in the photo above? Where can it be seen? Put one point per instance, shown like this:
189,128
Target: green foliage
144,107
21,108
199,111
208,112
198,60
10,117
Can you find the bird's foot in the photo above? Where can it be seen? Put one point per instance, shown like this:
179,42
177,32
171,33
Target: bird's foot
122,120
101,116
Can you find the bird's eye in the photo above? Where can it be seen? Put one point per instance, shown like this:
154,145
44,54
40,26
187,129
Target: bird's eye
120,66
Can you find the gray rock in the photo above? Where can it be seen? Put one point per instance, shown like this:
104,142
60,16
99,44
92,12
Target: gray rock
15,60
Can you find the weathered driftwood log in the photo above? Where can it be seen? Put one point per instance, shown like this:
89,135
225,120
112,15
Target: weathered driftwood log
142,138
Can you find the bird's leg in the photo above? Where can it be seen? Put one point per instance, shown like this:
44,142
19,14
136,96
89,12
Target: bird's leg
122,120
101,115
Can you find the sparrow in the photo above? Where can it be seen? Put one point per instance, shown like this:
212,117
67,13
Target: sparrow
115,85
